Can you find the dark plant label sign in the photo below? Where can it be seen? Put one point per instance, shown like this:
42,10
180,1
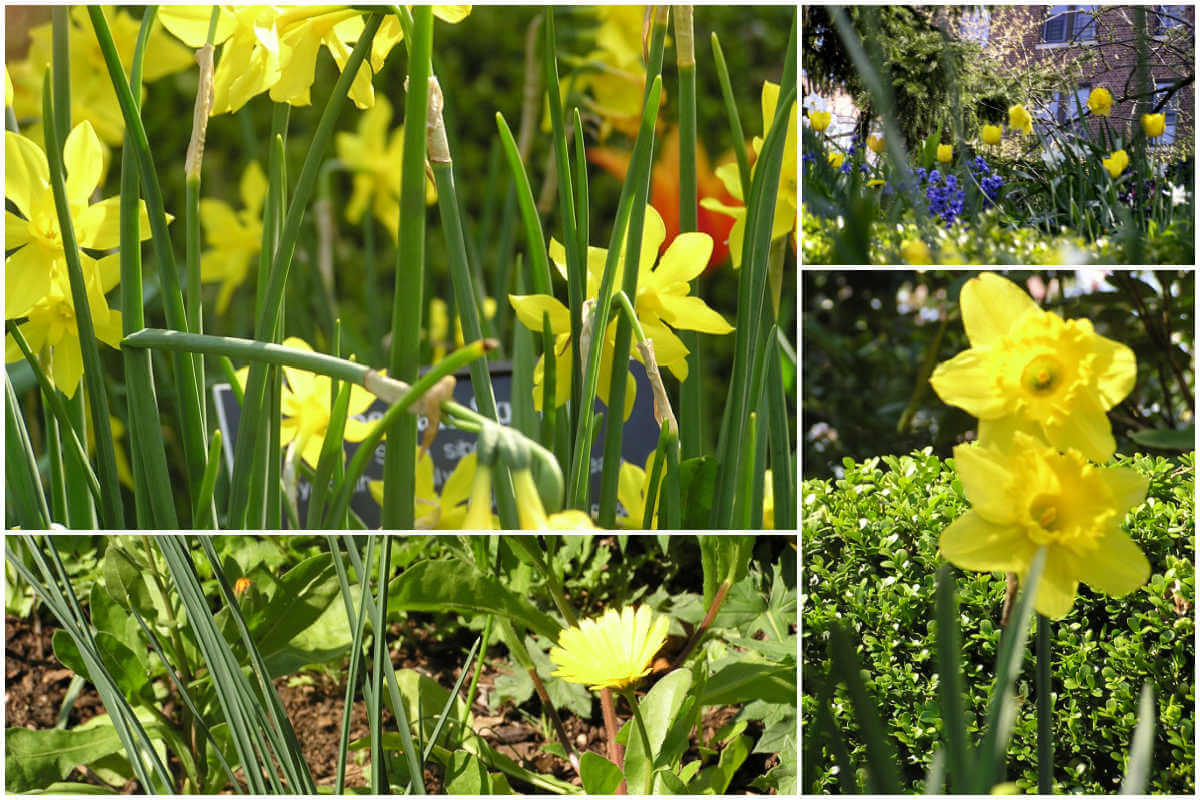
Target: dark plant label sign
452,445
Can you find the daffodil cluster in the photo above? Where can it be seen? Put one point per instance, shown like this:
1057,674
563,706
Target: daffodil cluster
36,284
1040,387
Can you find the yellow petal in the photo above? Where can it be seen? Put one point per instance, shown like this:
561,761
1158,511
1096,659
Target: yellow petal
1128,487
83,158
969,381
451,14
457,487
190,24
531,307
1085,428
686,258
16,231
1056,589
991,306
26,280
1119,374
253,188
693,314
26,172
985,479
68,365
971,542
1116,567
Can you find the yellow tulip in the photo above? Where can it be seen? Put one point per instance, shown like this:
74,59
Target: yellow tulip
1019,119
836,159
990,134
945,153
875,143
1154,124
1116,162
820,120
1100,102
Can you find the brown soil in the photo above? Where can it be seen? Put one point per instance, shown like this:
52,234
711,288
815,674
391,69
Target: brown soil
36,683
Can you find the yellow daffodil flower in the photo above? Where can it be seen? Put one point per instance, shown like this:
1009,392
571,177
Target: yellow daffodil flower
51,324
445,511
1029,371
990,134
1031,496
439,326
835,160
915,251
479,515
234,237
375,159
945,153
532,514
633,483
1153,125
662,300
1019,119
614,651
92,95
36,284
819,120
1116,162
1100,102
306,406
613,77
786,203
876,143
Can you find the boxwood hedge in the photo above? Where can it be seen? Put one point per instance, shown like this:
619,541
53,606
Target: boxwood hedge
869,559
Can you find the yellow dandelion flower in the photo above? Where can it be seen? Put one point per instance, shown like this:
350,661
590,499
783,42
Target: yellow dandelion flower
613,652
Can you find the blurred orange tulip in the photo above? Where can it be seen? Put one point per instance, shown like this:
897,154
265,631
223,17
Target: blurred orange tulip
664,190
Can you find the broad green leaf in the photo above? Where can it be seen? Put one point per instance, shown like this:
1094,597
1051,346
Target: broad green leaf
599,775
448,585
1166,439
465,774
109,617
741,682
125,668
300,598
34,759
715,779
659,709
70,787
125,582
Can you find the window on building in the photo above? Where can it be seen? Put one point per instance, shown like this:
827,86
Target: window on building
1170,111
1164,17
1069,24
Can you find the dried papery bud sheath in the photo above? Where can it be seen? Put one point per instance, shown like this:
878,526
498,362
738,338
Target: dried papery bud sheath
585,333
435,127
204,104
685,46
663,413
386,389
430,407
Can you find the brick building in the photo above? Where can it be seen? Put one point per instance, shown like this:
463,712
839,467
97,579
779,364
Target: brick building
1087,47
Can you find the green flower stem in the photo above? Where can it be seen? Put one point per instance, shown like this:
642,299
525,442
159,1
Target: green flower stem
400,454
616,753
151,474
366,449
640,724
266,324
54,400
576,250
208,484
618,384
1045,725
639,168
691,391
473,688
79,510
656,472
113,514
464,294
783,475
191,418
250,350
20,467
